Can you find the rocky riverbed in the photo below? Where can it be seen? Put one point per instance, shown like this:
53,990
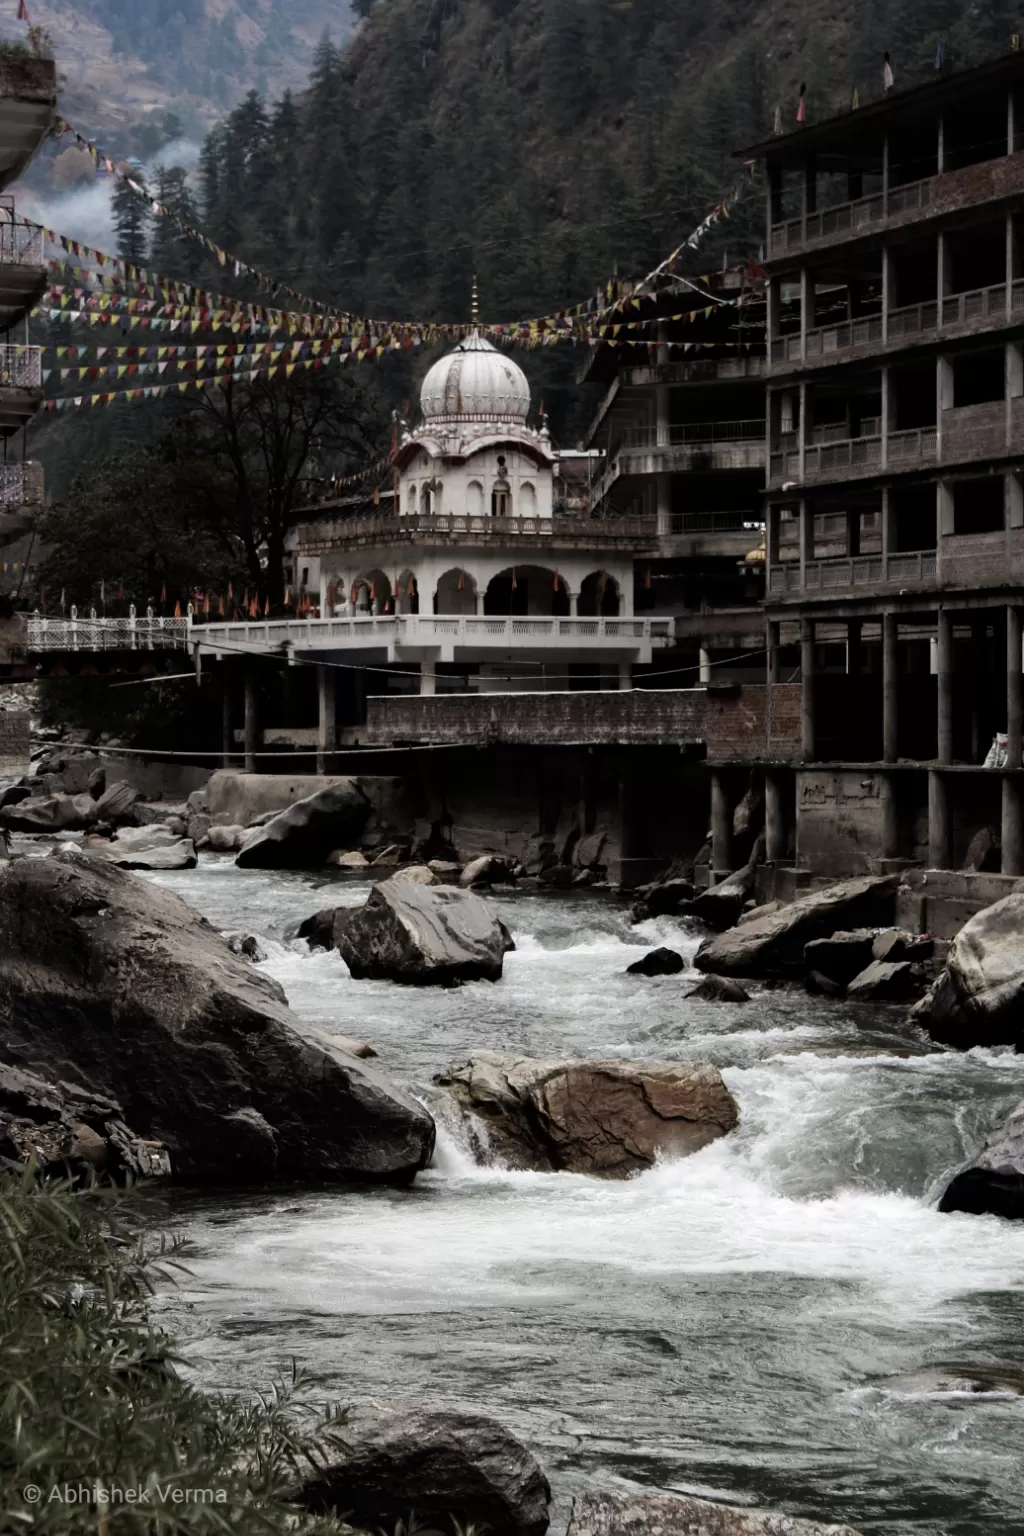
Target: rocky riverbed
751,1322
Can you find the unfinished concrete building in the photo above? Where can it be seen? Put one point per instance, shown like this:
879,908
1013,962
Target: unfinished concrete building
895,451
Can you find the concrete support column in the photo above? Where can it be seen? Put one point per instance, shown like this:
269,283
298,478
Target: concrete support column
574,599
890,821
944,668
806,309
625,676
774,817
886,422
888,532
327,724
944,397
807,691
940,151
1013,788
705,666
1011,260
887,303
938,821
773,291
806,513
890,689
663,491
251,718
227,734
774,646
428,680
721,827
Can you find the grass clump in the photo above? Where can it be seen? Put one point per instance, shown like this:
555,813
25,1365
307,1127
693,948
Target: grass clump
99,1432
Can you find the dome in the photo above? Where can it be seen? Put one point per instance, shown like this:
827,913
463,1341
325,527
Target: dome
476,380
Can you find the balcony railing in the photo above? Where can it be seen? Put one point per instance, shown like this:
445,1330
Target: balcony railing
851,217
717,522
918,444
21,367
93,634
415,527
693,434
19,245
858,571
21,485
415,630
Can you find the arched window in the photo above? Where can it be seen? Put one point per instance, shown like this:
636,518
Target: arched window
475,499
527,499
501,491
426,501
412,499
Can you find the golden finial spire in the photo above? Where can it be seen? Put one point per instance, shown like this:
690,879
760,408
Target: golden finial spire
476,301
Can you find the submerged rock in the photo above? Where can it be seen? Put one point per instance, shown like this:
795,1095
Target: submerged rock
227,839
443,1464
719,989
941,1380
657,962
61,1128
979,996
352,860
420,936
610,1118
720,906
774,945
303,836
152,854
626,1513
489,869
114,984
417,874
662,899
51,813
992,1183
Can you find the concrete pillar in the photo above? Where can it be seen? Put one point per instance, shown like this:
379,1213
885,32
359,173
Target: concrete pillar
890,689
888,532
887,412
807,691
1011,260
806,309
945,685
806,514
938,821
663,491
251,718
705,667
774,816
428,680
327,725
890,821
940,150
574,600
1013,789
721,826
773,291
887,303
774,646
227,734
625,676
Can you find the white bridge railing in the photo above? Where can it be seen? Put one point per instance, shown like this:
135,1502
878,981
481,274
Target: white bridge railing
94,634
430,630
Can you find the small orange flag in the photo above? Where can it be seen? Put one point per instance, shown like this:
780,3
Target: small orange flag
287,597
266,607
177,610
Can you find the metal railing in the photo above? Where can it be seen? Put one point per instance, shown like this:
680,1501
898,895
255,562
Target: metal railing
21,367
19,245
21,484
693,434
858,571
94,634
716,522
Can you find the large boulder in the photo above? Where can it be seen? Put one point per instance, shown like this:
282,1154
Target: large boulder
489,869
774,945
662,899
441,1463
421,936
51,813
658,962
116,802
625,1513
993,1181
108,982
611,1118
887,981
979,996
841,957
178,854
61,1128
719,989
305,834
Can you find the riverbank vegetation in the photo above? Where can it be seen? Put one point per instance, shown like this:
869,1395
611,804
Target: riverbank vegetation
100,1430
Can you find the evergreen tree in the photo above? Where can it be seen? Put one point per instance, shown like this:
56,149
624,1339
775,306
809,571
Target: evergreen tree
132,220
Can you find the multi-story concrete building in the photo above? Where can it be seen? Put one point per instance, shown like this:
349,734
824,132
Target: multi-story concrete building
681,425
895,454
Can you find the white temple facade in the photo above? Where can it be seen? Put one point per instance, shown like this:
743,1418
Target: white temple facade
484,575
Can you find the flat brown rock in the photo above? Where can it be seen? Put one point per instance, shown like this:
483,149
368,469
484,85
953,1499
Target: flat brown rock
675,1514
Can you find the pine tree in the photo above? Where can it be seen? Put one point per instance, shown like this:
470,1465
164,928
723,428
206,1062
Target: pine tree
132,220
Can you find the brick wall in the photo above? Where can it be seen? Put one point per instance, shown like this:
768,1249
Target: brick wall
14,742
974,432
1001,177
982,559
754,722
629,718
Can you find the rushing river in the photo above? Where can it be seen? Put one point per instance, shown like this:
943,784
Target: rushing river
719,1324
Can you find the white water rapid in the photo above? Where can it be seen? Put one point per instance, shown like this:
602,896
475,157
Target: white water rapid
721,1323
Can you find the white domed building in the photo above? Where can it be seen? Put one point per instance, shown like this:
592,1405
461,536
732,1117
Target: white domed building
486,569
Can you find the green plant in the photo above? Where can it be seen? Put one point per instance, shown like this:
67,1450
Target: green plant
99,1432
